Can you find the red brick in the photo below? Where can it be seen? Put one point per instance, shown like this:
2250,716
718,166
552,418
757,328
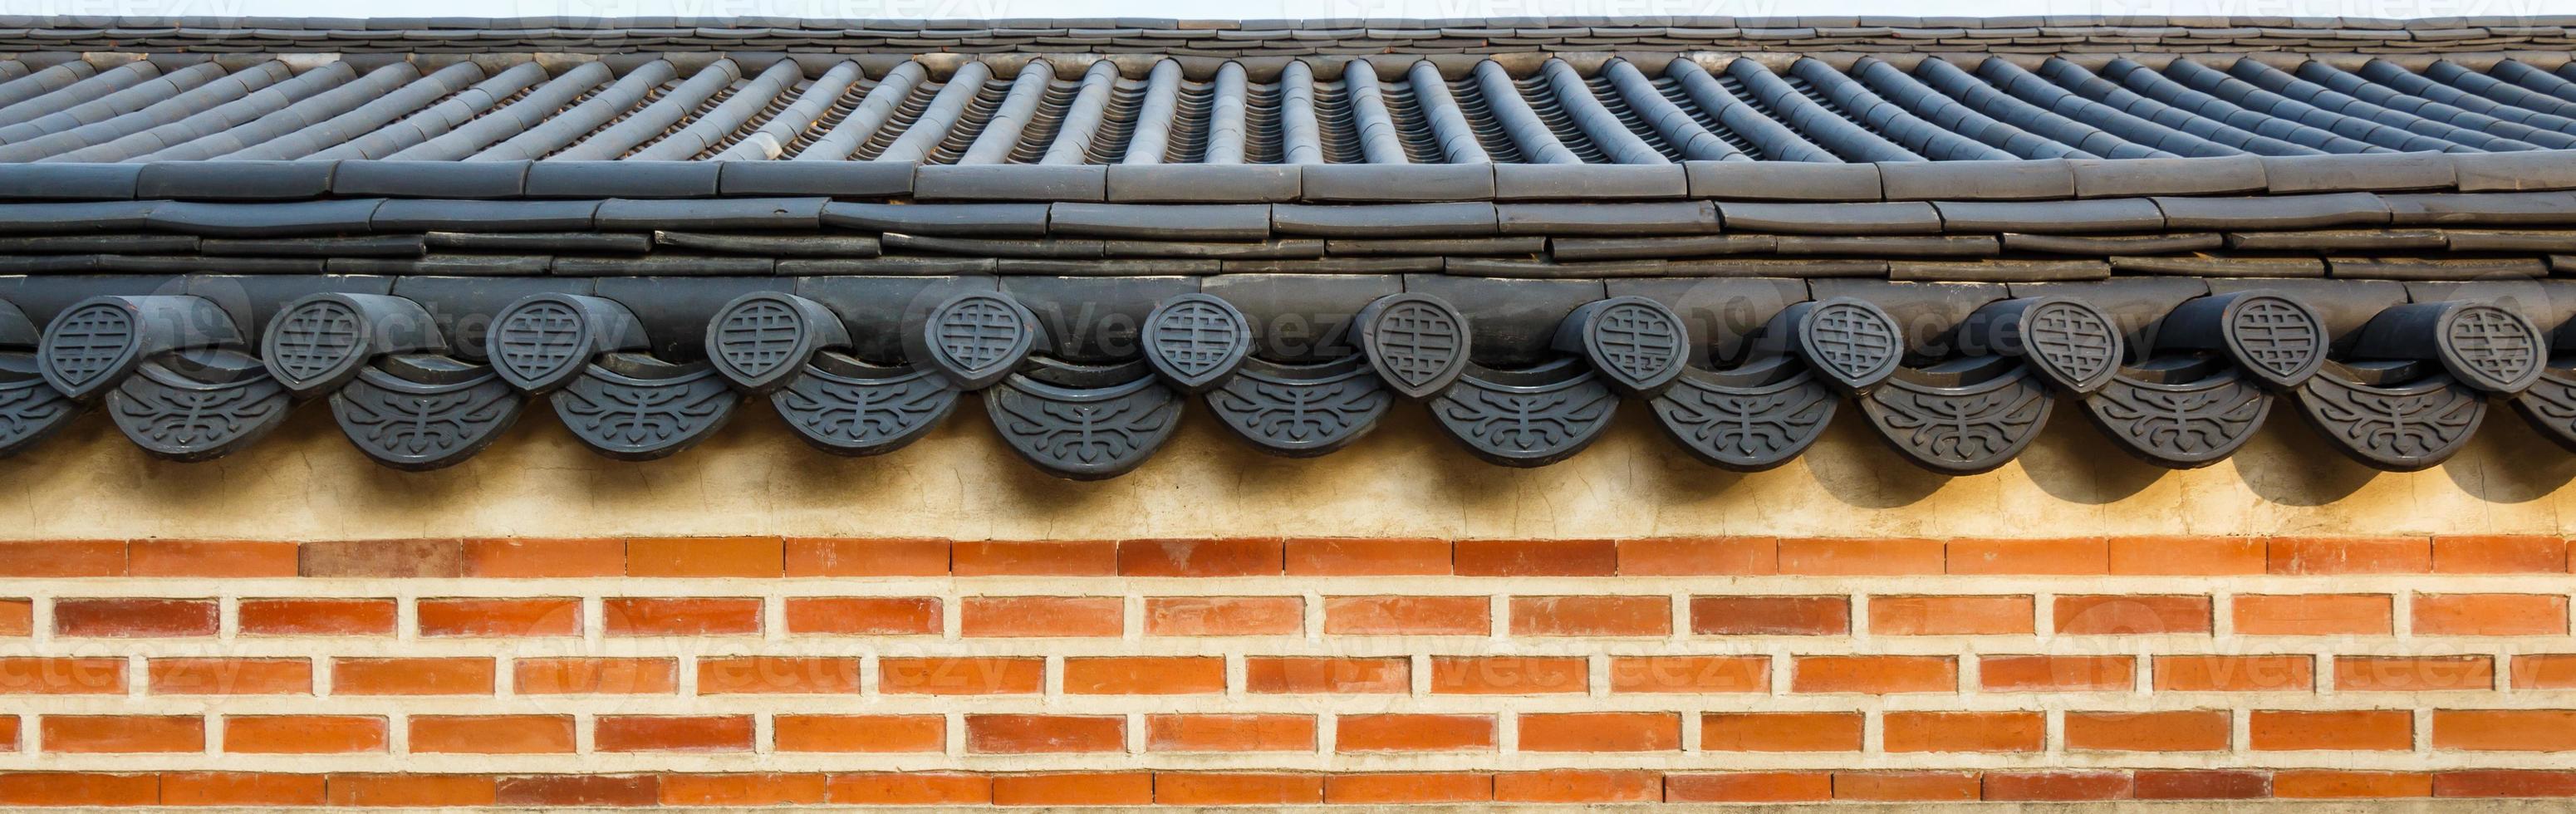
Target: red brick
2499,554
79,788
1228,557
672,733
1361,556
500,618
866,557
382,559
1041,616
2413,674
410,790
1326,674
1749,787
317,617
1592,615
1408,787
594,676
2201,784
2057,786
1600,732
1963,731
62,558
1536,558
1690,674
229,676
1408,615
538,558
1051,558
1780,732
17,618
2390,730
2502,730
1861,557
134,618
2188,556
2351,555
2484,615
1224,615
2190,730
742,790
1906,786
778,674
2080,555
9,741
32,675
411,676
2057,673
2328,784
898,675
705,557
1874,674
241,789
303,734
1144,675
1080,789
1230,733
1398,732
2505,783
1949,615
910,789
2283,673
1237,789
580,790
1700,556
1770,615
2131,615
2544,671
1033,734
210,558
860,733
863,615
123,733
492,734
680,616
1579,786
1507,675
2313,614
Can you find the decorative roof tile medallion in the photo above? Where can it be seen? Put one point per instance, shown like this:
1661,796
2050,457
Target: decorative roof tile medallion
2073,343
89,346
1853,342
761,339
320,342
1196,340
1417,342
2279,339
1638,343
2490,348
978,337
542,342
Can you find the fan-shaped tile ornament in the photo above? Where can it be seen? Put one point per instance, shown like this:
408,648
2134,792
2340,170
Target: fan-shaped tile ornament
319,342
1637,344
1194,340
1417,342
2550,405
1745,428
1084,433
543,341
418,426
30,409
2278,339
99,341
2490,348
2400,428
1960,430
178,417
979,337
2072,343
1526,418
845,408
762,339
1301,411
1852,342
2180,425
646,410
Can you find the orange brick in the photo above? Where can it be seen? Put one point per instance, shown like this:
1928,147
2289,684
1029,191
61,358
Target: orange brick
1949,615
910,789
705,557
1236,789
1700,556
1408,615
2081,555
2176,731
2505,783
2131,615
863,615
1230,733
1690,674
2188,556
1037,734
1907,786
411,676
29,675
1600,732
1964,731
1229,557
680,616
2490,615
2351,555
1325,674
2057,786
210,558
2057,673
317,617
1051,558
1074,789
886,557
79,788
9,734
410,790
1780,732
123,733
594,676
2499,554
17,617
374,559
2544,671
2201,784
580,790
778,674
1357,556
1579,786
672,733
1861,557
1398,732
1770,615
2328,784
1874,674
2313,614
1224,615
1144,675
1041,616
1749,787
492,734
2413,674
134,618
743,789
1536,558
2390,730
500,618
1592,615
62,558
2491,730
2283,673
241,789
860,733
303,734
899,675
536,558
1408,787
229,676
1507,675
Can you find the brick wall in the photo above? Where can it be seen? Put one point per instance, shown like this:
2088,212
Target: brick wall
750,671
